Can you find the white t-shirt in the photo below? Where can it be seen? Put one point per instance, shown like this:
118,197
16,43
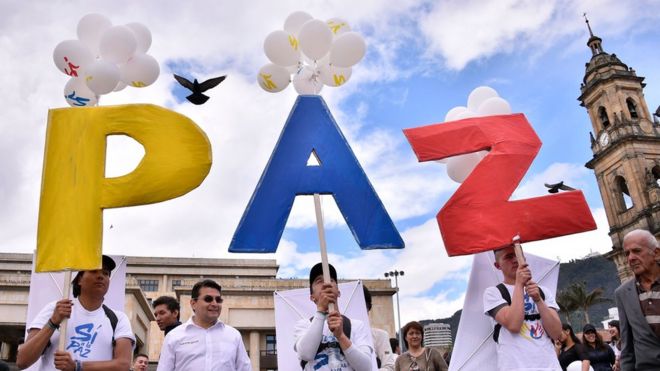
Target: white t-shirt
383,349
331,357
531,348
89,334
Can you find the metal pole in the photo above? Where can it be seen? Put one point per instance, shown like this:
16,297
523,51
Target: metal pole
398,308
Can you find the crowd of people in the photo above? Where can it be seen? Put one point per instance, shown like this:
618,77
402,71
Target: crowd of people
526,327
526,323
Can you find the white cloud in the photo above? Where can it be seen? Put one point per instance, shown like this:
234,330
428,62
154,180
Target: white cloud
467,31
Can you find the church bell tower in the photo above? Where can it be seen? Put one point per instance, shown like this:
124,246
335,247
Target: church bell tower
625,142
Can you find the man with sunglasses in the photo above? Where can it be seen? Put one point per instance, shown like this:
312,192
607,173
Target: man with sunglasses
204,342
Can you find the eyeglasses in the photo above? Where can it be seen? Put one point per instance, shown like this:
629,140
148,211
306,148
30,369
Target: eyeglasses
209,299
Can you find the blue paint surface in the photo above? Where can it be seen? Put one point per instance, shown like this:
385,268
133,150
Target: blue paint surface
310,127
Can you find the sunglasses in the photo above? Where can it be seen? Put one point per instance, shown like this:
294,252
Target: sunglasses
209,299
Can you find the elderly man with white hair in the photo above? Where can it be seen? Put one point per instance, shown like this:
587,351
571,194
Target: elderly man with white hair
638,300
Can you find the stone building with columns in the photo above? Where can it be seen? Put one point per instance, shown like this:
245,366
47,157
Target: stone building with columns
247,289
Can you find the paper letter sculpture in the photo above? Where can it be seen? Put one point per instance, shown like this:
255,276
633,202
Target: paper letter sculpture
74,189
479,216
311,129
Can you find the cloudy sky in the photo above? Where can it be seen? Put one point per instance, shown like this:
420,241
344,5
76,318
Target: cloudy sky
423,58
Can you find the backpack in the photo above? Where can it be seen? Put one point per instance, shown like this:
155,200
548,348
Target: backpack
507,297
346,324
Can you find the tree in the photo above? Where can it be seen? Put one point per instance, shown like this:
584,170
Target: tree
567,304
576,297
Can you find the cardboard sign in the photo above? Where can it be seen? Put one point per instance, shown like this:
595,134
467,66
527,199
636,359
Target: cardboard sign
479,216
311,128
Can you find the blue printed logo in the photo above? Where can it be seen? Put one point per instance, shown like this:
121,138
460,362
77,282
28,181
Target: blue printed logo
83,341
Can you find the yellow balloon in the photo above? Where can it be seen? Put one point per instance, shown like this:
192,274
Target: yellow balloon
75,191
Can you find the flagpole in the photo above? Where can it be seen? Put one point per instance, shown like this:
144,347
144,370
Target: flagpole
519,252
66,288
324,250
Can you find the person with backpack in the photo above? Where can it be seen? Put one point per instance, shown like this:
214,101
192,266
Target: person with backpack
97,337
341,345
524,316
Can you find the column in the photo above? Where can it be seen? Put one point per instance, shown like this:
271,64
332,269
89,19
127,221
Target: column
255,353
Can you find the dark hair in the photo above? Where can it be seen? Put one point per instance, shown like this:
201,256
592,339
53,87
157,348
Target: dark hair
367,297
599,341
171,303
571,333
142,355
615,323
204,283
394,342
409,326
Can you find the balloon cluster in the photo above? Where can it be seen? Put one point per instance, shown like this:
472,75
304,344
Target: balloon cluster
316,53
105,58
482,101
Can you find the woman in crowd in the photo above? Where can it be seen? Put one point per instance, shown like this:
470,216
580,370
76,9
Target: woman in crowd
615,344
418,358
600,355
569,349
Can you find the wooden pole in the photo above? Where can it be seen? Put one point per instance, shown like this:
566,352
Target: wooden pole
324,250
520,256
66,288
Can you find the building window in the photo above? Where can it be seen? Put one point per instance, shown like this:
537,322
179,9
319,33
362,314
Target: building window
148,285
656,174
175,284
271,344
602,115
625,201
632,108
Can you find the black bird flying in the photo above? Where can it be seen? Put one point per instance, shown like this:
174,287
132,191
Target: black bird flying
198,88
554,188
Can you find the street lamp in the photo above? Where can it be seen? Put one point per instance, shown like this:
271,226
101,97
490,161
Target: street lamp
396,275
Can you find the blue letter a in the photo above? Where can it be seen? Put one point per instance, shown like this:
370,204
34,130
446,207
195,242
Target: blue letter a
311,128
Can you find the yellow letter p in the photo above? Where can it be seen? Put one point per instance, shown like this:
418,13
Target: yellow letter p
74,188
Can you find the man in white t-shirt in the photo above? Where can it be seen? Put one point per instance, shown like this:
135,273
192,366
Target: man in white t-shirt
528,321
384,355
91,341
342,345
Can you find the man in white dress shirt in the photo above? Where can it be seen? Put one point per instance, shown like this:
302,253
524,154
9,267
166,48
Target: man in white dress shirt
204,342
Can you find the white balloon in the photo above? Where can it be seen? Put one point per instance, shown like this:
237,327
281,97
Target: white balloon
295,21
90,29
494,106
307,82
338,26
118,44
460,167
334,76
347,50
120,86
577,366
77,94
102,77
478,96
71,56
142,36
465,115
294,69
273,78
282,48
140,71
454,112
315,39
